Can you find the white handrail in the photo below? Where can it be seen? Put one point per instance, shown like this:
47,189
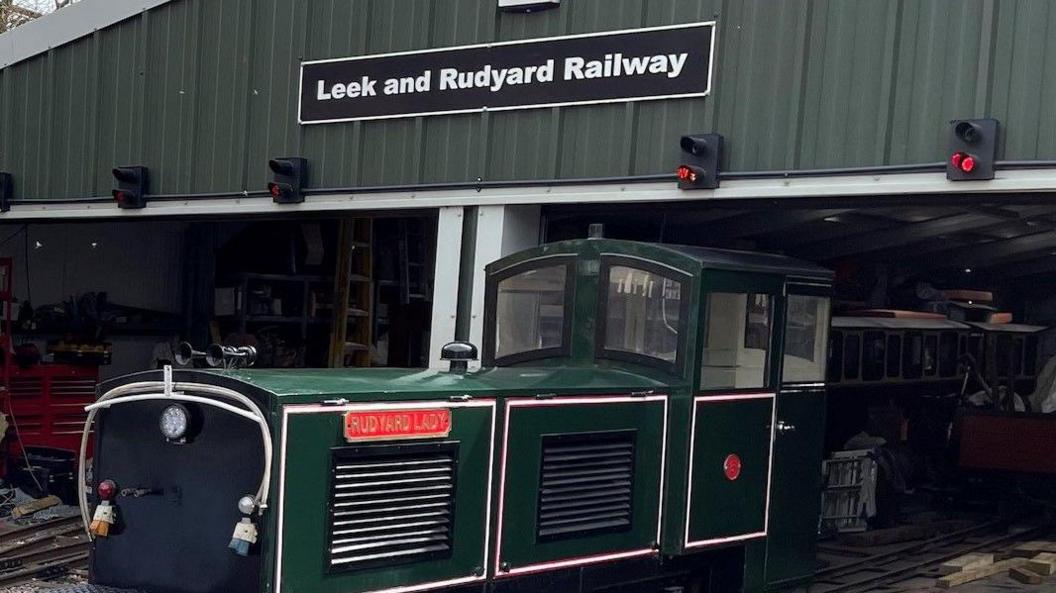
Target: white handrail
149,390
175,396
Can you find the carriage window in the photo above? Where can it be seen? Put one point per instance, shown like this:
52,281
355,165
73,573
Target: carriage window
913,356
530,311
806,332
835,357
947,354
894,356
975,348
1030,356
873,355
852,356
931,354
1004,355
737,341
642,313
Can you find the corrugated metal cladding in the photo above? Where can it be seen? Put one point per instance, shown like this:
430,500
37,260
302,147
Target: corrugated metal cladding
204,92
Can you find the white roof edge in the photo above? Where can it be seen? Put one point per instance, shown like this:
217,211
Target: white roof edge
853,322
66,25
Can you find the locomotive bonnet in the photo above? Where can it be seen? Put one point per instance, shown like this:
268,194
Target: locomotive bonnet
635,408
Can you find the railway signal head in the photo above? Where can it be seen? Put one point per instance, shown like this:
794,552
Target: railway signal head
701,156
289,175
131,190
973,149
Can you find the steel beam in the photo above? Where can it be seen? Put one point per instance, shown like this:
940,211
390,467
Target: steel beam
995,251
761,222
1031,186
923,231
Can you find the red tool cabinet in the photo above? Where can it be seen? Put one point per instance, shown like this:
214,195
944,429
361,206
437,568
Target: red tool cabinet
46,404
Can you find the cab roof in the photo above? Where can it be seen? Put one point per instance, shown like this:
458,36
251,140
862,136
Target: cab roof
685,257
751,261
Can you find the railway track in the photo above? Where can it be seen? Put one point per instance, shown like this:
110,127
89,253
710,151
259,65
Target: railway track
42,552
895,566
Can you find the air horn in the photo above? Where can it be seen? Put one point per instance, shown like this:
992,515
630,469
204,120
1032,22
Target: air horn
230,357
186,354
217,355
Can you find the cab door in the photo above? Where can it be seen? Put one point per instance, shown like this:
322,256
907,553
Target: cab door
799,438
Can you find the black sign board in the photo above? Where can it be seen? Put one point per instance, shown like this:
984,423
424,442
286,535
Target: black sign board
633,65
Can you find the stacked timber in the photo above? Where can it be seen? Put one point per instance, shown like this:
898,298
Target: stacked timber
1030,563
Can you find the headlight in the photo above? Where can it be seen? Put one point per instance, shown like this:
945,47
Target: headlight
175,420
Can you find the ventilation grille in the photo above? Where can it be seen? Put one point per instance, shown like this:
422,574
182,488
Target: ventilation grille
391,505
586,485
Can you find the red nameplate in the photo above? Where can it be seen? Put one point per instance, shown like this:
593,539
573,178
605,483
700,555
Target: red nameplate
377,425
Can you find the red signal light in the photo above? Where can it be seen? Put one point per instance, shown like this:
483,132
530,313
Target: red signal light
687,174
275,189
963,161
107,490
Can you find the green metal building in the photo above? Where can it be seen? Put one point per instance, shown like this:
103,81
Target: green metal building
204,92
857,94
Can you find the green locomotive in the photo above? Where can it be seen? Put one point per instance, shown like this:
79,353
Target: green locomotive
647,418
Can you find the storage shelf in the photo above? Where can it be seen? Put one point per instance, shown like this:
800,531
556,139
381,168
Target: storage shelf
282,277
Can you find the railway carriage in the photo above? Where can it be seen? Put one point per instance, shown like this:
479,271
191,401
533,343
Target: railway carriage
646,418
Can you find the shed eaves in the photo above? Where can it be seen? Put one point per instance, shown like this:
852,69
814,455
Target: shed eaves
66,25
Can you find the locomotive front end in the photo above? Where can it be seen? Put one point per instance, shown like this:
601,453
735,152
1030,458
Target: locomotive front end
179,484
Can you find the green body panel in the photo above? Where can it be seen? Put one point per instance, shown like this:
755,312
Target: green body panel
205,91
307,492
719,507
795,503
527,426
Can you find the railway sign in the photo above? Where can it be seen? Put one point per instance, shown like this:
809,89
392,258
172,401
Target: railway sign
616,66
377,425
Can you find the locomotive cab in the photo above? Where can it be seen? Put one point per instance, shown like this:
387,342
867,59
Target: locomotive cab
621,434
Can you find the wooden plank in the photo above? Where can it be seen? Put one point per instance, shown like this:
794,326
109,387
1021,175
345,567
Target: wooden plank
967,576
35,506
1043,564
1024,576
966,562
1033,548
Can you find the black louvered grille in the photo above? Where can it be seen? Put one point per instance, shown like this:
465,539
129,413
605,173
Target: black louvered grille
586,485
391,505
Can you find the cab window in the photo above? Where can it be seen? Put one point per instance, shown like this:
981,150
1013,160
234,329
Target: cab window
737,341
531,312
874,356
806,335
642,315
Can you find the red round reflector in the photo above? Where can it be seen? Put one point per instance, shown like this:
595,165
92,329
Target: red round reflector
107,490
732,467
686,173
967,164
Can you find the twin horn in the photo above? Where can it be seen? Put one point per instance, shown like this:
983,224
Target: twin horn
217,355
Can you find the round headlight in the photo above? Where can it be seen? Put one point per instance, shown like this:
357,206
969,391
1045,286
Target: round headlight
175,420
